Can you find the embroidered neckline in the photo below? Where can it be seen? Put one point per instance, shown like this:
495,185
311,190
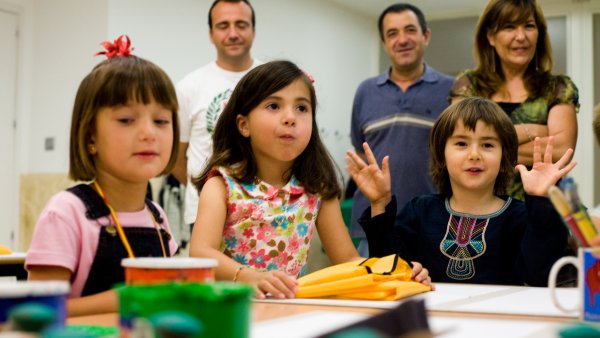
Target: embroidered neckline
463,214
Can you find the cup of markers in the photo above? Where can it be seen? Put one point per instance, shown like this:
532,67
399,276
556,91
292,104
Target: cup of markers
567,203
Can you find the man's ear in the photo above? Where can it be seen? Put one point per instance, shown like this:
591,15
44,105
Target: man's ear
242,125
427,34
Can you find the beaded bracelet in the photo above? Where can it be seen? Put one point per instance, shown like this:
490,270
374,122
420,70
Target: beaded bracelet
237,272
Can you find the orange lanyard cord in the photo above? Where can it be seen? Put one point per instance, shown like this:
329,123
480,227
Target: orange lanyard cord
162,244
120,231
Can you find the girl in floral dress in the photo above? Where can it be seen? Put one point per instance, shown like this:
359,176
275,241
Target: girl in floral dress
269,184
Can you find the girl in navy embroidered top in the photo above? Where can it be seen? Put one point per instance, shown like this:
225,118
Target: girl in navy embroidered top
470,232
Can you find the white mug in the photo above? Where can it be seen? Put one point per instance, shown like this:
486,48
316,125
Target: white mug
587,263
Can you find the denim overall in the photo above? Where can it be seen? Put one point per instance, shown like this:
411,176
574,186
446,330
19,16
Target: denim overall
106,269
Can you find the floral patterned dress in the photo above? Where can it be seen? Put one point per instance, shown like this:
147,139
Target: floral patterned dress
559,90
268,228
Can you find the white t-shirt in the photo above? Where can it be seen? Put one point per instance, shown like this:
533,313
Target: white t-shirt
595,211
202,95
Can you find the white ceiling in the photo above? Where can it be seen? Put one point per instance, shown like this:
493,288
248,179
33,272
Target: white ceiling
431,8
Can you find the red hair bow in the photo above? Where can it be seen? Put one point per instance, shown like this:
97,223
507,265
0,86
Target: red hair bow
120,47
310,77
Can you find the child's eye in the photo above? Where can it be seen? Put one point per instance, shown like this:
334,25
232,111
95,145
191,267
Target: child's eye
272,106
488,145
125,120
162,122
461,143
303,109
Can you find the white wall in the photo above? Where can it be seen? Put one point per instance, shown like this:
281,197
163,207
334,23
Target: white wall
339,47
66,35
320,37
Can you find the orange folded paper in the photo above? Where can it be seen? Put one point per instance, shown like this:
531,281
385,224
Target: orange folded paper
386,278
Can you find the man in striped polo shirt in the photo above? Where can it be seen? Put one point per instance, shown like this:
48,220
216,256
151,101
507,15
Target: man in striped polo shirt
395,110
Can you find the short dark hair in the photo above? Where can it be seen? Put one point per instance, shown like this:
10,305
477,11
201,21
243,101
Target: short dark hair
314,167
232,1
111,83
469,111
401,7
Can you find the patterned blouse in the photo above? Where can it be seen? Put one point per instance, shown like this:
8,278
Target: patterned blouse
268,228
559,90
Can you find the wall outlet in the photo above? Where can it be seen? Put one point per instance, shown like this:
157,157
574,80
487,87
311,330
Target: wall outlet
49,143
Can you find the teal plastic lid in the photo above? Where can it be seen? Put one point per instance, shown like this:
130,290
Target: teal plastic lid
359,332
175,324
31,317
580,331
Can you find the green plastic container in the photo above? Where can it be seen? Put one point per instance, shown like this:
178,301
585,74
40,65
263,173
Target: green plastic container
222,308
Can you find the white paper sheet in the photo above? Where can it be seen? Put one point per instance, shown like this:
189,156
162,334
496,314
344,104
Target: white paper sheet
452,327
493,299
308,325
446,294
305,325
527,301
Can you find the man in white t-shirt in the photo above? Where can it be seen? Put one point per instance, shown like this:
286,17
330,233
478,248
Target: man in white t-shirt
203,93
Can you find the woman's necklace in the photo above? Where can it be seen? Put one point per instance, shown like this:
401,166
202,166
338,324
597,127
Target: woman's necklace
120,231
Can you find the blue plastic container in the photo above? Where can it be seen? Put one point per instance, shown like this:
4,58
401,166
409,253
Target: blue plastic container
50,293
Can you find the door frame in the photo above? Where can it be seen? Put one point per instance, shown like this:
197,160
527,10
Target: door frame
13,219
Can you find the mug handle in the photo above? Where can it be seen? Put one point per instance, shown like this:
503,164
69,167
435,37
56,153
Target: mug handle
552,281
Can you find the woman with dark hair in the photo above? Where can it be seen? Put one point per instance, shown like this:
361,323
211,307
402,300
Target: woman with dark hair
514,69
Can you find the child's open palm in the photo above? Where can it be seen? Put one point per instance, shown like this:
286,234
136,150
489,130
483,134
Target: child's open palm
544,174
372,181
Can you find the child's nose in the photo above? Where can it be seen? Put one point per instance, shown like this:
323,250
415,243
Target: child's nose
289,118
474,153
147,129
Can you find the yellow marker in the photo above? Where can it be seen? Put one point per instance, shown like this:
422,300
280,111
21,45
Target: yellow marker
585,224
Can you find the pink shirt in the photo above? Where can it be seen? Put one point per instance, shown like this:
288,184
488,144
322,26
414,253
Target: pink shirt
65,237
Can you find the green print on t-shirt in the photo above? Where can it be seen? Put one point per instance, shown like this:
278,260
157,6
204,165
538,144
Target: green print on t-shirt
215,108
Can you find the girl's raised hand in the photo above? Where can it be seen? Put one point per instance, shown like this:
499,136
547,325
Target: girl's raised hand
544,174
373,182
276,283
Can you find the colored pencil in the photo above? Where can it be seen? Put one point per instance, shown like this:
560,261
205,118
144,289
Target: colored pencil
561,205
